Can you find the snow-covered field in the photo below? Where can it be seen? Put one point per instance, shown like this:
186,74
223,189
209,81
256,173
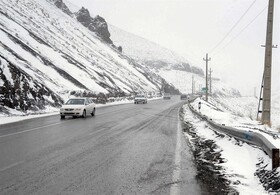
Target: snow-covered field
242,160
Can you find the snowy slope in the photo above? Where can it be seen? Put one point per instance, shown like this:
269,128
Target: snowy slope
55,53
142,49
174,69
150,53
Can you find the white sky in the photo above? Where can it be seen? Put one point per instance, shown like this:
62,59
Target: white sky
194,27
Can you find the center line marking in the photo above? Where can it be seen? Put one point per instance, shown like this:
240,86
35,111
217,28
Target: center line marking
28,130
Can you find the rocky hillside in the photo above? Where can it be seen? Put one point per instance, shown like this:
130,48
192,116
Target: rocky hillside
96,24
150,53
48,52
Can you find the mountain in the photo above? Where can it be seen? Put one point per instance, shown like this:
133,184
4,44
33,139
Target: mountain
142,49
176,70
150,53
96,24
47,52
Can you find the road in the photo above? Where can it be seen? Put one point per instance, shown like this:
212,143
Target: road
124,149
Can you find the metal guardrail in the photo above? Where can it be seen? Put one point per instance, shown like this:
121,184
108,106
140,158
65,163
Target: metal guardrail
250,137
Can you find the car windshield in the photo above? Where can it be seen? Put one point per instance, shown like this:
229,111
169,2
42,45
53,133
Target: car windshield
75,102
140,96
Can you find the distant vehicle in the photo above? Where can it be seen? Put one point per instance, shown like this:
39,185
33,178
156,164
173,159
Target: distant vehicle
140,99
78,107
184,97
167,96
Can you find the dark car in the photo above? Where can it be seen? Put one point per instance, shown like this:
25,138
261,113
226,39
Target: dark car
184,97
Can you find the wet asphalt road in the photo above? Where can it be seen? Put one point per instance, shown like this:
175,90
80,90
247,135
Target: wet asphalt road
124,149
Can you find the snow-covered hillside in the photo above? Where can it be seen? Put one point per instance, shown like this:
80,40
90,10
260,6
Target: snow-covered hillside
174,69
142,49
48,52
150,53
45,53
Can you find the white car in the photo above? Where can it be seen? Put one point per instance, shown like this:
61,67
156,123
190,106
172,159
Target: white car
78,107
167,96
140,99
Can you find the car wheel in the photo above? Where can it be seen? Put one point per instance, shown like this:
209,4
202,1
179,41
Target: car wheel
93,112
84,114
62,117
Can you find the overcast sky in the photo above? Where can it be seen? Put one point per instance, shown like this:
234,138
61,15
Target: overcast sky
192,28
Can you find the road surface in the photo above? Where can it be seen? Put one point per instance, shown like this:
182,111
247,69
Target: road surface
124,149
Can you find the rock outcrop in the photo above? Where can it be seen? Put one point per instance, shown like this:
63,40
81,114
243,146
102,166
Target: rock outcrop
61,5
96,24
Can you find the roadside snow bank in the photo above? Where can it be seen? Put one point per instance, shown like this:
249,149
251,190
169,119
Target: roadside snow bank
243,162
236,112
226,159
15,115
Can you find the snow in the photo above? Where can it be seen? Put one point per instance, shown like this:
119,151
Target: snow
64,36
240,165
141,49
237,113
241,159
16,116
12,119
6,72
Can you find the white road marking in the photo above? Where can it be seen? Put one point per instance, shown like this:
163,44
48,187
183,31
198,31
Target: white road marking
28,130
11,166
175,187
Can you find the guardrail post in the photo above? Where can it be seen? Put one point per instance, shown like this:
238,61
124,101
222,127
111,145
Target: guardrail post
275,158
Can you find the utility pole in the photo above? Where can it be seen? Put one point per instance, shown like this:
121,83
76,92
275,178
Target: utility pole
206,87
266,104
210,79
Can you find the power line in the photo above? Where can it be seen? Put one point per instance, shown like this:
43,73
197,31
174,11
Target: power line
233,26
241,31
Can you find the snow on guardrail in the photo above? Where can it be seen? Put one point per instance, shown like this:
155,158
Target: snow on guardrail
247,136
